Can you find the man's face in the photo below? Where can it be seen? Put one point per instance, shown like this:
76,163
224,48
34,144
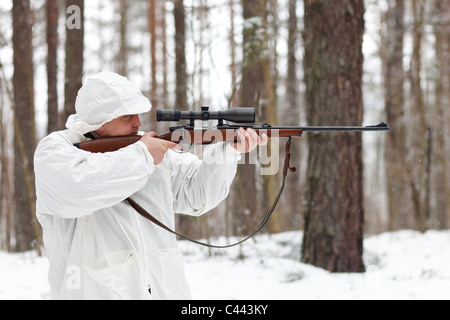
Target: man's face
122,126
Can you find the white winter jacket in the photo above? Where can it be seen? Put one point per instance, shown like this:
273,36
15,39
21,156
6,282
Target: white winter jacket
98,246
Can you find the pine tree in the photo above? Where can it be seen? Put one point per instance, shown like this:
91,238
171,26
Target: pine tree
333,74
26,227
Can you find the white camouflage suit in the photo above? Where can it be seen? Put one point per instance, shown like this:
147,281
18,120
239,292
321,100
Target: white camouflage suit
98,246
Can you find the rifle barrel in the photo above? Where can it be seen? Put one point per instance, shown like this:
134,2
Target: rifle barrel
380,127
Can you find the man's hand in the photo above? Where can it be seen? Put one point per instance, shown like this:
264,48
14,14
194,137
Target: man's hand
158,147
249,140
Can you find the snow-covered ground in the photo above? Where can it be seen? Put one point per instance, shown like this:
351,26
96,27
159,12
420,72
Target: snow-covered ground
400,265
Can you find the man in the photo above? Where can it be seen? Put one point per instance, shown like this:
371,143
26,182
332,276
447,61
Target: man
98,246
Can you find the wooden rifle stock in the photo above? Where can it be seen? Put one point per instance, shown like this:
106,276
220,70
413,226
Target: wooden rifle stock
188,136
107,144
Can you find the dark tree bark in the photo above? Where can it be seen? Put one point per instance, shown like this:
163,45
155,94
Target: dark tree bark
333,237
74,55
24,127
52,65
122,60
180,53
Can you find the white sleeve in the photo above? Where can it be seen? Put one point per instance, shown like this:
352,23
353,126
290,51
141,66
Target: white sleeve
71,183
200,185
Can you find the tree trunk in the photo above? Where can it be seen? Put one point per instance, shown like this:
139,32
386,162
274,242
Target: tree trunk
419,131
442,46
164,54
152,24
52,65
268,56
233,100
26,231
292,117
122,60
74,55
292,83
392,56
333,236
185,223
245,205
152,30
6,173
180,53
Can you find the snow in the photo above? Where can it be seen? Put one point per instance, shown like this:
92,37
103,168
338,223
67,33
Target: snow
405,265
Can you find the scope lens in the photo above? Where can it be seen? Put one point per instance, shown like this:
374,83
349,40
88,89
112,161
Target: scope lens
168,115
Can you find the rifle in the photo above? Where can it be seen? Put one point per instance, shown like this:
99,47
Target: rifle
189,134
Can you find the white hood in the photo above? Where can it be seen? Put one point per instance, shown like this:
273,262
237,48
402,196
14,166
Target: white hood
105,97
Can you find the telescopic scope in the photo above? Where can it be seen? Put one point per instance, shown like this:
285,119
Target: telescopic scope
236,115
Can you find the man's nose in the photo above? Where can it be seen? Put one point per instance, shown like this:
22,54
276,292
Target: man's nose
136,121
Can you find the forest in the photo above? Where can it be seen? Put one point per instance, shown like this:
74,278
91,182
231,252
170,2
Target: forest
298,62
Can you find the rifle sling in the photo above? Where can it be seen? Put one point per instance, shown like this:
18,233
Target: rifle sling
148,216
